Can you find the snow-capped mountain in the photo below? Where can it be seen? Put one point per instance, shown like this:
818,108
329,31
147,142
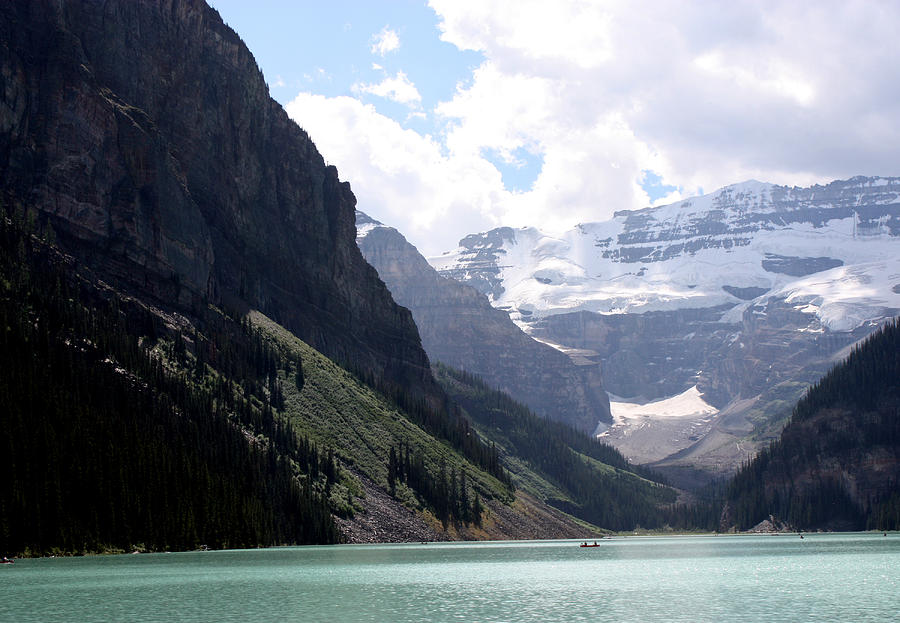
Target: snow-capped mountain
734,247
747,293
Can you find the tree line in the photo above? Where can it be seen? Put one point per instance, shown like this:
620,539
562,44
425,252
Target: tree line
446,494
450,424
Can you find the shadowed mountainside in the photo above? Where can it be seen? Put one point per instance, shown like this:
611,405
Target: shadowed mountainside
143,133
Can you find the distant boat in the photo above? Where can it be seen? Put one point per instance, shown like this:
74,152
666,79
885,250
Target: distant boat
7,561
596,544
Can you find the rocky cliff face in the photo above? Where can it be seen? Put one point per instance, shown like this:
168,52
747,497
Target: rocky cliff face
459,327
143,133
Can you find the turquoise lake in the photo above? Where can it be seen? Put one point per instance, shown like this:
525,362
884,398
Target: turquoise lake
822,577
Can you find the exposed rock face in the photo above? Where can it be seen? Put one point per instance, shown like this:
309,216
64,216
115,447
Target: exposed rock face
459,327
798,266
143,131
646,356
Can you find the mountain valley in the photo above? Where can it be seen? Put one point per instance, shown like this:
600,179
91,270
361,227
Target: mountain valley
206,345
196,353
460,328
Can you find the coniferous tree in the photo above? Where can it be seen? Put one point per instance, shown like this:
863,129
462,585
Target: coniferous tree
477,510
463,497
298,373
392,472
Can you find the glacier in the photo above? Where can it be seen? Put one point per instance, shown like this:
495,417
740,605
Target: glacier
702,252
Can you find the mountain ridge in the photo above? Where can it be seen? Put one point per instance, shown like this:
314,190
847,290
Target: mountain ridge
460,328
845,218
748,293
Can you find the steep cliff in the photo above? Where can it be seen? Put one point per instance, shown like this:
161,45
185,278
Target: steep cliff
459,327
143,133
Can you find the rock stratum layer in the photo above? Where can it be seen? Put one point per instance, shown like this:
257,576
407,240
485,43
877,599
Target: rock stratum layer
460,328
143,132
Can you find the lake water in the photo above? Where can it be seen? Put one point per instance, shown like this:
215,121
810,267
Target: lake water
822,577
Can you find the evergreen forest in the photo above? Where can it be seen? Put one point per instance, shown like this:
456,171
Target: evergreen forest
129,426
837,463
116,438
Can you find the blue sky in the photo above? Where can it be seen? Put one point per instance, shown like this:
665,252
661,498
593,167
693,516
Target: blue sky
329,51
454,116
327,47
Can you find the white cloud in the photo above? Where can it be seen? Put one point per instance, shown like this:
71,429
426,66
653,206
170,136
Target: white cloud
703,94
499,111
523,31
399,176
669,198
385,41
397,89
774,79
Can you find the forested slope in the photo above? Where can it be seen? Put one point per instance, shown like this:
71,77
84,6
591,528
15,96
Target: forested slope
563,466
129,426
445,461
837,463
116,437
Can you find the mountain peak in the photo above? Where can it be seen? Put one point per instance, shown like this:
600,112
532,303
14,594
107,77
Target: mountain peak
702,252
365,224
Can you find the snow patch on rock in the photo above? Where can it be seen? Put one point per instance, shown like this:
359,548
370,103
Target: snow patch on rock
651,431
688,404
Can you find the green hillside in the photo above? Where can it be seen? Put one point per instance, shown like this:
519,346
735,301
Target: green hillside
560,465
338,411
